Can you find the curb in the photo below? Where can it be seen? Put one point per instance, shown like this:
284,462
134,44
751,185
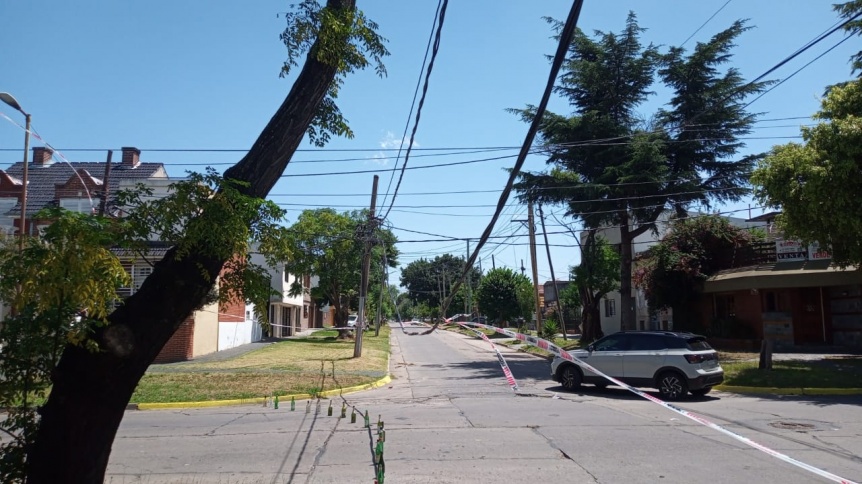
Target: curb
260,400
788,391
256,400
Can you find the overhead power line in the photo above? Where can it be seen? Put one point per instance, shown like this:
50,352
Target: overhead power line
797,71
704,24
413,102
435,48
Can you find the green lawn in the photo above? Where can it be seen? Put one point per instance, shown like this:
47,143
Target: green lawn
304,365
824,373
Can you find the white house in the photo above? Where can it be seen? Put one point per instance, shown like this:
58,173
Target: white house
645,320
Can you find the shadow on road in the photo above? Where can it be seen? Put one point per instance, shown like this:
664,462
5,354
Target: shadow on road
619,393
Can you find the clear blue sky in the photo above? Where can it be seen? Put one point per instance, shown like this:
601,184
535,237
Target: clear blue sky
203,75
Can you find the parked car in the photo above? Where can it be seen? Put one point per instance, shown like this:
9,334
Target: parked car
351,320
674,363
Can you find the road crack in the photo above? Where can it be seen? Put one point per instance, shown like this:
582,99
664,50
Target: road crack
563,453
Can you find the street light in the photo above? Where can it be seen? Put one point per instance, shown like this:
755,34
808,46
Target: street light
13,103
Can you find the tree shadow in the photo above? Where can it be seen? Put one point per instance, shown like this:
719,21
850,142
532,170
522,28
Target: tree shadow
619,393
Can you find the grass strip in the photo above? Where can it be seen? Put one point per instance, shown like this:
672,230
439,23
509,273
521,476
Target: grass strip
292,366
823,373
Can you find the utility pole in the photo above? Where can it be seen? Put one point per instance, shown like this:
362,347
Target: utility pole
105,180
384,286
553,277
532,228
493,266
468,302
368,234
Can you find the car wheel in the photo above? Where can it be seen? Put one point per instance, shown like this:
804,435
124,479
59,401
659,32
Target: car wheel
570,378
671,386
701,392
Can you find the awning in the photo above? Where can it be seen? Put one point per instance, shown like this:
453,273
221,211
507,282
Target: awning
783,275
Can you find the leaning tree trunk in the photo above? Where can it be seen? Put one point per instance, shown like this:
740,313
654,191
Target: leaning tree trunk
91,389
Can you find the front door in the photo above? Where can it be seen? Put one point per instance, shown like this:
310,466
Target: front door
808,317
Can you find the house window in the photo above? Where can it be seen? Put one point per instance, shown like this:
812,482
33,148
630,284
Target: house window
610,307
139,275
286,274
305,311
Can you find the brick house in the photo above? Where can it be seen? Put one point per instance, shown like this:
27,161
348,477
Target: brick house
79,186
645,317
784,291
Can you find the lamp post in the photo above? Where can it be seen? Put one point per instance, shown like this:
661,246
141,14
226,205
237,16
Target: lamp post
10,100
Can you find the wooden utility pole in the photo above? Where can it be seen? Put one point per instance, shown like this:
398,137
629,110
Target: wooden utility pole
553,277
105,180
532,228
384,287
468,301
367,235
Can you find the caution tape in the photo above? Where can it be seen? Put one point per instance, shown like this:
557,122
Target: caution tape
510,379
552,348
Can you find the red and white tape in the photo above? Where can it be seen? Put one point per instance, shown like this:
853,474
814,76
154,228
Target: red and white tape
552,348
510,379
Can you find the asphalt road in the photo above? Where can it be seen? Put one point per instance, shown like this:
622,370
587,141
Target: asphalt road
451,417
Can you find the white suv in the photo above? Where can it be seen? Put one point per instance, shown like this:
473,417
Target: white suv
674,363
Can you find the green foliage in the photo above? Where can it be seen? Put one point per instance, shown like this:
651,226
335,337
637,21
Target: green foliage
636,165
208,214
848,10
347,40
504,295
550,328
817,183
674,270
423,280
329,245
64,284
63,287
598,271
570,298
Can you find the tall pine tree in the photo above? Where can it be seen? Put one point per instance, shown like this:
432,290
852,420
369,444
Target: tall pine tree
612,165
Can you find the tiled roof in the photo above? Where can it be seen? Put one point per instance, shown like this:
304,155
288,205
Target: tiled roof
154,251
42,180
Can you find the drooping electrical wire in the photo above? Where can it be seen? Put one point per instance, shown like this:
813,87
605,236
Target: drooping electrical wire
413,102
434,50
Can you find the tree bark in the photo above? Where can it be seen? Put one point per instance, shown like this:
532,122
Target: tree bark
590,316
92,389
627,312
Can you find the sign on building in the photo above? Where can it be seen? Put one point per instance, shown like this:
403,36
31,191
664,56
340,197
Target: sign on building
790,250
817,253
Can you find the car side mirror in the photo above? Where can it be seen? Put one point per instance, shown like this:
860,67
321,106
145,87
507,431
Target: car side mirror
591,348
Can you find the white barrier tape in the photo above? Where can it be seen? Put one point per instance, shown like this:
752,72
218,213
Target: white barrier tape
550,347
510,379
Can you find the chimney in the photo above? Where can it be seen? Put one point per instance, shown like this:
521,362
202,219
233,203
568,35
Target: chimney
131,157
42,155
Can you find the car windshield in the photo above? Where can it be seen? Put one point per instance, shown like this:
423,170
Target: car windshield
698,344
